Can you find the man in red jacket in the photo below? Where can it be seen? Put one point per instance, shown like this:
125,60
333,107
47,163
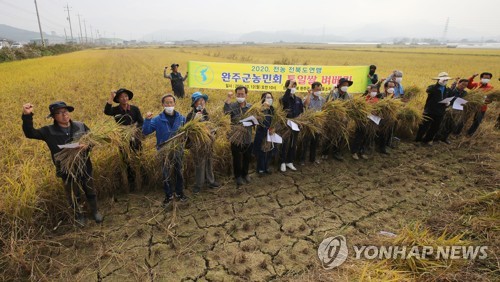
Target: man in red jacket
485,86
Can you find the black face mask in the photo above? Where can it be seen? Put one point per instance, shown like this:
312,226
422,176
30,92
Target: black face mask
372,71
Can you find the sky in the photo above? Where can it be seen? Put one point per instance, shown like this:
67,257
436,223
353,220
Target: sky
132,19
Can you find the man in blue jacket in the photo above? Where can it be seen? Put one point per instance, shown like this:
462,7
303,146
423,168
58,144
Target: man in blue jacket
166,124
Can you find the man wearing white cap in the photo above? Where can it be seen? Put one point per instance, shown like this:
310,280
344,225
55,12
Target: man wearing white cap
434,110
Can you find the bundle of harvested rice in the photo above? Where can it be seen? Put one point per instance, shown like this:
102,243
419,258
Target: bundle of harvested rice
409,118
388,110
336,127
72,161
358,110
311,123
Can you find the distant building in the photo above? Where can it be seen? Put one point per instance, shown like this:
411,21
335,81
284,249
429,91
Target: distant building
4,43
187,42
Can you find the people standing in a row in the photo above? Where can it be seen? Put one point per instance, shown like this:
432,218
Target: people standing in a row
126,114
64,131
176,79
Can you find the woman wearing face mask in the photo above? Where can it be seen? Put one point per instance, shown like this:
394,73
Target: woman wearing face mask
261,132
203,168
433,109
397,77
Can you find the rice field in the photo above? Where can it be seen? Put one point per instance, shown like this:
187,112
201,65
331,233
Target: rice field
32,196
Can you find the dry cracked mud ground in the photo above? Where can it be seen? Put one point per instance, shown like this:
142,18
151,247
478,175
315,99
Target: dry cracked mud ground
271,228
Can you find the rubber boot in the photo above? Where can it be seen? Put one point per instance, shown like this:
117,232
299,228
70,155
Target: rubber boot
93,208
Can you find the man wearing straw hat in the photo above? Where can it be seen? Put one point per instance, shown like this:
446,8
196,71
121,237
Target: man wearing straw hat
126,114
65,131
340,92
434,109
166,124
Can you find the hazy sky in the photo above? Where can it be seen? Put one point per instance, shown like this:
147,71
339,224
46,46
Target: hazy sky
131,19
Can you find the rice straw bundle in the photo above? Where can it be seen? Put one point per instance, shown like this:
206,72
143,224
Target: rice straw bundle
358,110
388,110
278,123
409,118
475,100
72,161
237,134
411,92
198,134
311,123
336,126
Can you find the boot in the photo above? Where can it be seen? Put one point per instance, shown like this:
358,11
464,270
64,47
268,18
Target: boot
93,208
79,219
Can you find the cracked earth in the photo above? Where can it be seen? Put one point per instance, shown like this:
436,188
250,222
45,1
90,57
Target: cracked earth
271,228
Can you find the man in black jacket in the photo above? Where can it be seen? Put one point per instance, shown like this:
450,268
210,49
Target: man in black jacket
434,109
176,79
126,114
65,131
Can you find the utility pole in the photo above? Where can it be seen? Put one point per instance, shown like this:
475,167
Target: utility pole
80,24
85,25
39,24
69,20
91,35
65,35
445,30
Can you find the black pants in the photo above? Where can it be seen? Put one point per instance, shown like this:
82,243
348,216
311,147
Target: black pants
135,148
288,148
241,159
428,129
178,92
310,143
74,185
478,118
359,142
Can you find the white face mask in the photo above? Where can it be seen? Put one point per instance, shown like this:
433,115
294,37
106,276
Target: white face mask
240,99
317,93
443,82
373,94
390,90
169,110
293,90
344,88
485,80
399,79
269,101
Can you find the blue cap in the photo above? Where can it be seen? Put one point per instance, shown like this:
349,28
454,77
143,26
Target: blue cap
196,96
